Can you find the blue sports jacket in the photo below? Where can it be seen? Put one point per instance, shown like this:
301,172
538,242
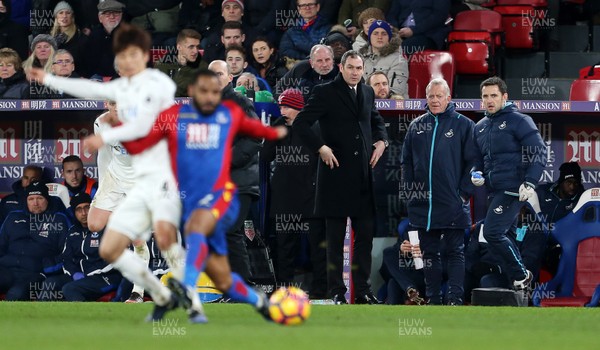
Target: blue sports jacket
437,156
511,150
33,242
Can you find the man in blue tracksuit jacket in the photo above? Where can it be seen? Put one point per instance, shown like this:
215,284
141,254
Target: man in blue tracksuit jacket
512,158
437,156
31,241
86,276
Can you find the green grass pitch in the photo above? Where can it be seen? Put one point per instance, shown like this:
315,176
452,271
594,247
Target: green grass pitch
112,326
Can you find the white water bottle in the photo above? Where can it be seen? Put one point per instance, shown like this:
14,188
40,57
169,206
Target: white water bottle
413,237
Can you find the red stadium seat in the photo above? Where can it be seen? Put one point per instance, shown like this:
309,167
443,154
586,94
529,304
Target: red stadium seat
413,88
585,90
519,20
474,40
107,297
426,65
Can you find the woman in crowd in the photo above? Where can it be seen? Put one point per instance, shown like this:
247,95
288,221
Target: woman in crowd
13,84
66,33
267,62
43,48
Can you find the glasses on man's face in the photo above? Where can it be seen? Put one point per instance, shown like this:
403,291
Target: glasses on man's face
63,62
112,13
307,6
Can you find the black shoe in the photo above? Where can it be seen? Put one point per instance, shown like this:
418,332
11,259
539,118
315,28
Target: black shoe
263,310
159,311
339,299
368,298
180,290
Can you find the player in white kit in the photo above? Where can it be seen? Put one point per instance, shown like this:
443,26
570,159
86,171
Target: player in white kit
153,201
116,178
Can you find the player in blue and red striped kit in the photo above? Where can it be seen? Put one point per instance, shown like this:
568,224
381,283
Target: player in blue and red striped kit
200,137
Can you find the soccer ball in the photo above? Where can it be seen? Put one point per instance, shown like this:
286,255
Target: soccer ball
289,306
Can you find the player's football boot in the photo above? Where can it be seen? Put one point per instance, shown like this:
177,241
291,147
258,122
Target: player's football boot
189,300
160,310
135,297
263,309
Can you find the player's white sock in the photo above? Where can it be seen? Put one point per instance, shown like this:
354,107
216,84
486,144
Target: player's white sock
134,269
175,257
144,253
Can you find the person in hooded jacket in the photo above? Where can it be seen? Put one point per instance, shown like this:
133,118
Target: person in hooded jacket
383,53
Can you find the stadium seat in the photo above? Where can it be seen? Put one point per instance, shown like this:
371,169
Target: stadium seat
427,65
107,297
519,20
577,281
474,40
413,88
585,90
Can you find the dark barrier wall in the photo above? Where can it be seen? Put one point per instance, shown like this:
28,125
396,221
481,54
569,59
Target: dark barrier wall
44,132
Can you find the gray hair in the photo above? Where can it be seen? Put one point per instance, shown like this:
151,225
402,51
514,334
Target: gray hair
438,81
320,46
62,52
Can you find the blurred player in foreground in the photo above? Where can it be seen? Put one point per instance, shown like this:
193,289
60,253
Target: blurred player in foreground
116,178
153,201
202,134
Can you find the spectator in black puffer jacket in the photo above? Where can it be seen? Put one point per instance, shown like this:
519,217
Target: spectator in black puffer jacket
31,242
13,83
99,59
307,74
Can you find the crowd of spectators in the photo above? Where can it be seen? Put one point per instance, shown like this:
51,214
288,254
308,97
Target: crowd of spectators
273,46
270,37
